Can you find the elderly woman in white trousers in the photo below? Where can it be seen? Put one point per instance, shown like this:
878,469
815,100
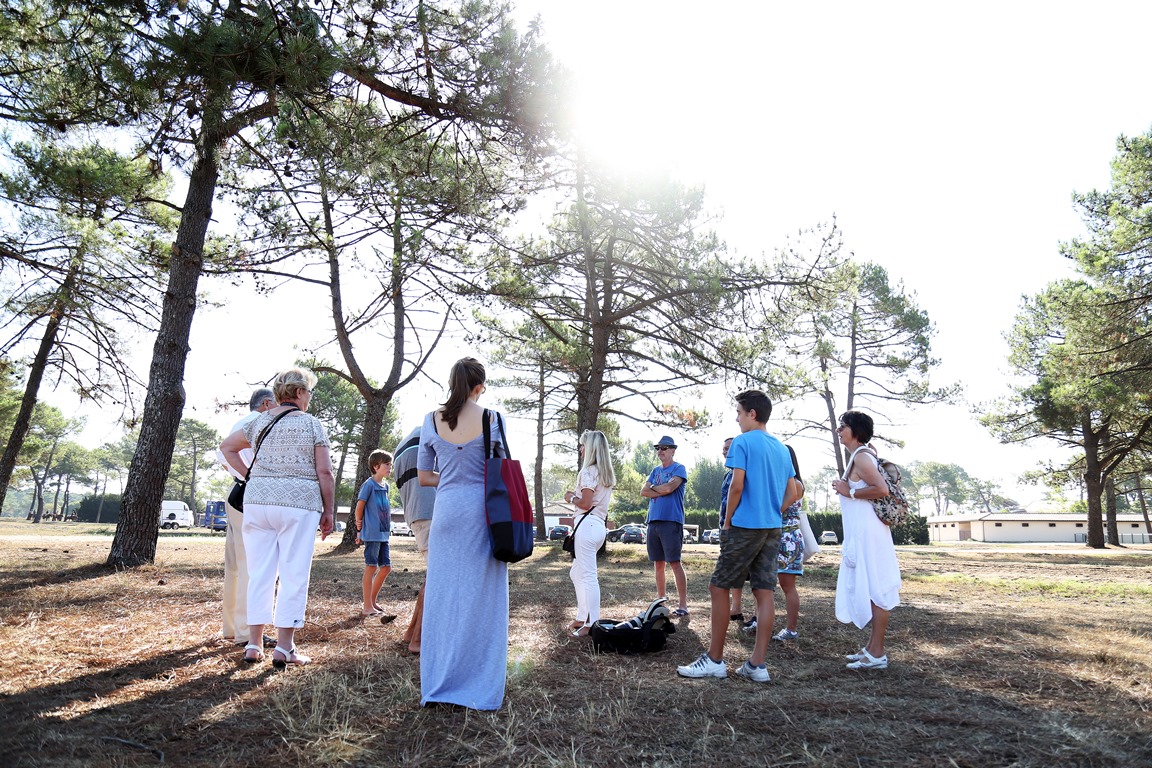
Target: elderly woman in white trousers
290,491
591,498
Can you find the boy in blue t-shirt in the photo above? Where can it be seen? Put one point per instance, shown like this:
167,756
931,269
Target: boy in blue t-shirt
373,526
761,487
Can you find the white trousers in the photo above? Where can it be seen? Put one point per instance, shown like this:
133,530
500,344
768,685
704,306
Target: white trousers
279,541
235,602
589,537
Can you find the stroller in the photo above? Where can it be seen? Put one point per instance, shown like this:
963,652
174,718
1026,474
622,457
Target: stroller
643,633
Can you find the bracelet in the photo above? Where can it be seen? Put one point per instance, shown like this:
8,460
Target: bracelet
852,492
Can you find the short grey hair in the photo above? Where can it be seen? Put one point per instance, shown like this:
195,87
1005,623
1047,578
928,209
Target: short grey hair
259,396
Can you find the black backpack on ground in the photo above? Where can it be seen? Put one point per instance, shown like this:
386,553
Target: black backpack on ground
643,634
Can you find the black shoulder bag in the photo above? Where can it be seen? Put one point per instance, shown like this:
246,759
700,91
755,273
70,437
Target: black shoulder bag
236,495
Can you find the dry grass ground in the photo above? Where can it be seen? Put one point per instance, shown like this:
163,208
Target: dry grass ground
1001,657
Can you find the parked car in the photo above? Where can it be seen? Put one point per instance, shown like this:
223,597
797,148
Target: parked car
633,534
711,536
614,534
829,537
558,532
688,537
401,528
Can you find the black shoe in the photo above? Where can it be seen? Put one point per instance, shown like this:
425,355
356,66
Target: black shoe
737,617
268,642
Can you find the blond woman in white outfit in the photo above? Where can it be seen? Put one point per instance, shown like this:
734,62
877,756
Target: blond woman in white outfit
591,498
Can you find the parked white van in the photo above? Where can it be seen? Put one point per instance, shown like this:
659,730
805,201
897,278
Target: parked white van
175,514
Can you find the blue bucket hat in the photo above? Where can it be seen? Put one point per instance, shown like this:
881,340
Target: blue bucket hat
665,442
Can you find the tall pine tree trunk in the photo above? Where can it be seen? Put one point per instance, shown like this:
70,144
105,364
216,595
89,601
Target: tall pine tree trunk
1113,533
56,498
103,493
35,376
369,441
1143,504
538,475
1093,482
136,532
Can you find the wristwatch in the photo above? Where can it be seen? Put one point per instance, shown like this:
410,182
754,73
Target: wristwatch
852,492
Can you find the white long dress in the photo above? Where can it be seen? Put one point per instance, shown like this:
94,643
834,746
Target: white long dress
869,571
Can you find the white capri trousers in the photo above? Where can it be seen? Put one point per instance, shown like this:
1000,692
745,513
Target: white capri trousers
279,541
589,537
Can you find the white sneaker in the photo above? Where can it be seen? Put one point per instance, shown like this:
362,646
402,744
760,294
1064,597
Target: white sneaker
869,661
703,667
856,656
755,674
786,634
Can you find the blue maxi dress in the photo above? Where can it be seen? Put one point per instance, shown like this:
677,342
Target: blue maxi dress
464,634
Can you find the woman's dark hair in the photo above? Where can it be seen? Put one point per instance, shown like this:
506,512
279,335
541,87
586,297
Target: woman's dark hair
795,464
467,373
859,423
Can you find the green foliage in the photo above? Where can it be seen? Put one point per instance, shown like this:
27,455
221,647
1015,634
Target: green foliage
945,484
10,394
827,521
632,303
557,479
913,531
193,456
704,481
626,496
90,505
1082,347
865,333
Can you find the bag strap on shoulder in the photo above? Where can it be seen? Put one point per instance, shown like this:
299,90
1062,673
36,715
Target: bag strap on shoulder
503,436
501,443
260,438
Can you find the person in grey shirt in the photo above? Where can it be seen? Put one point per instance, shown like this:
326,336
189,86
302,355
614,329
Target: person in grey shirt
418,502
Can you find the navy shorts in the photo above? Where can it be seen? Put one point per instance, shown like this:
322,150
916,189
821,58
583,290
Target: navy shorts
665,541
376,554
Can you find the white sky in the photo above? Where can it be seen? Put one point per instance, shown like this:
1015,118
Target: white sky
946,139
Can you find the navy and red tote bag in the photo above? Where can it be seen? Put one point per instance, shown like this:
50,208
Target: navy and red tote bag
511,526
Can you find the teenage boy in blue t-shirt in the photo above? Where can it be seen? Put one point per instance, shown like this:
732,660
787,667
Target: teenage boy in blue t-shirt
750,536
373,527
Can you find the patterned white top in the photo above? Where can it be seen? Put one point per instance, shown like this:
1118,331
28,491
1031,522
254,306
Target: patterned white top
284,472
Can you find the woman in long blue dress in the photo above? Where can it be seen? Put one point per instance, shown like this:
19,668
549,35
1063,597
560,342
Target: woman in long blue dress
464,646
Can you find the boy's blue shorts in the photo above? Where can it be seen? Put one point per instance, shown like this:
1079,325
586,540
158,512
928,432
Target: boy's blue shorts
376,554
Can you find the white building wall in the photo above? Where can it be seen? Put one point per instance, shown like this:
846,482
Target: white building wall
1022,528
1039,530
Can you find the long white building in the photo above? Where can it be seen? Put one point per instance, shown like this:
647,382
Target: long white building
1028,527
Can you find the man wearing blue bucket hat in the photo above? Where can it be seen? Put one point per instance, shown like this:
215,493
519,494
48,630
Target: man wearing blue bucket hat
665,489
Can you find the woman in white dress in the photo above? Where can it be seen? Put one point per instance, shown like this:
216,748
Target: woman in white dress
868,585
591,498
